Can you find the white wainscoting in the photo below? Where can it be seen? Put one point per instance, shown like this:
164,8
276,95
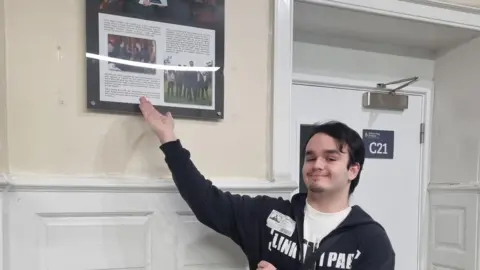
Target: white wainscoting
454,226
58,223
82,223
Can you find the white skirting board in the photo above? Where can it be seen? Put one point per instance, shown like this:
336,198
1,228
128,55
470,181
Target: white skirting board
57,223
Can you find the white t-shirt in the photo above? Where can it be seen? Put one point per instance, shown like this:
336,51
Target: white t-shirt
317,225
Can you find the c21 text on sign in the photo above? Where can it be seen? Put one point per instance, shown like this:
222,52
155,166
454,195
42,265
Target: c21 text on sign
378,143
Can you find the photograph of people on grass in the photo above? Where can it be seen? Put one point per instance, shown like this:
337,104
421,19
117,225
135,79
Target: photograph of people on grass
188,87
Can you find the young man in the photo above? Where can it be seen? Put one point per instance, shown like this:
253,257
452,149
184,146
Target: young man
317,230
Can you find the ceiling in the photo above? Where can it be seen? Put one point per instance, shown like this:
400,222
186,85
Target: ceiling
332,21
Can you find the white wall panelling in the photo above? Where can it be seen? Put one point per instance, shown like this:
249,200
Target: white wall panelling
453,227
79,223
3,224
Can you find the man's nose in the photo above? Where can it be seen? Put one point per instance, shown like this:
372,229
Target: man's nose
319,163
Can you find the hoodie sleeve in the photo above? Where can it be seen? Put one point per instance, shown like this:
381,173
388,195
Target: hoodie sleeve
376,253
234,216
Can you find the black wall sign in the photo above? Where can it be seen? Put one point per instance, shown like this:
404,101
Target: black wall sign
379,144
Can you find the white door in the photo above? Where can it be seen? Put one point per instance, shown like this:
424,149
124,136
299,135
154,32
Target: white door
389,190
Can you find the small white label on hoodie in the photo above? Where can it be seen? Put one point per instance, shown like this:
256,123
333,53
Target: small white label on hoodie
281,223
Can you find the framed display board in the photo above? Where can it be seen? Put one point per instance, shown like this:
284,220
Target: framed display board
170,51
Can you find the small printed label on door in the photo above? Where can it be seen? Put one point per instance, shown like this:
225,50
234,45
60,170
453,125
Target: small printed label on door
378,143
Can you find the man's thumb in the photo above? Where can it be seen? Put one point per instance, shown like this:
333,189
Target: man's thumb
263,264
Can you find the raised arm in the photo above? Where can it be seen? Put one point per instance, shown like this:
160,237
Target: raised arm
231,215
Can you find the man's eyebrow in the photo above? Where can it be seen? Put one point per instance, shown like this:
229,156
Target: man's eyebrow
327,152
332,151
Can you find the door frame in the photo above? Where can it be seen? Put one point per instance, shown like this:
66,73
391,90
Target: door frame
282,87
425,157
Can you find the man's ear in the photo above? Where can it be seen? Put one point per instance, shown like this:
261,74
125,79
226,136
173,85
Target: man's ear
353,171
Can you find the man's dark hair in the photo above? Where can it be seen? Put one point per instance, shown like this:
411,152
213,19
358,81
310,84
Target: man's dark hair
346,138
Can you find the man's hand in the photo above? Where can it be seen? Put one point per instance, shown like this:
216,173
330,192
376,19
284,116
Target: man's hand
146,3
161,124
263,265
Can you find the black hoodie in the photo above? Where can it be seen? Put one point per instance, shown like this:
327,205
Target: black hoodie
248,221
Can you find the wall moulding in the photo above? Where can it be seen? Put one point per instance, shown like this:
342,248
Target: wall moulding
62,183
454,187
469,6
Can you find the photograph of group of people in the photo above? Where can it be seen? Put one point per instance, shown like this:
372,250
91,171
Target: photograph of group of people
189,87
132,49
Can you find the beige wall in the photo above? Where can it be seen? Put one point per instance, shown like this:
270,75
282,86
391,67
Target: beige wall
50,131
3,95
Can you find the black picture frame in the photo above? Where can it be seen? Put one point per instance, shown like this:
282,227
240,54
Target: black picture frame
305,132
204,14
